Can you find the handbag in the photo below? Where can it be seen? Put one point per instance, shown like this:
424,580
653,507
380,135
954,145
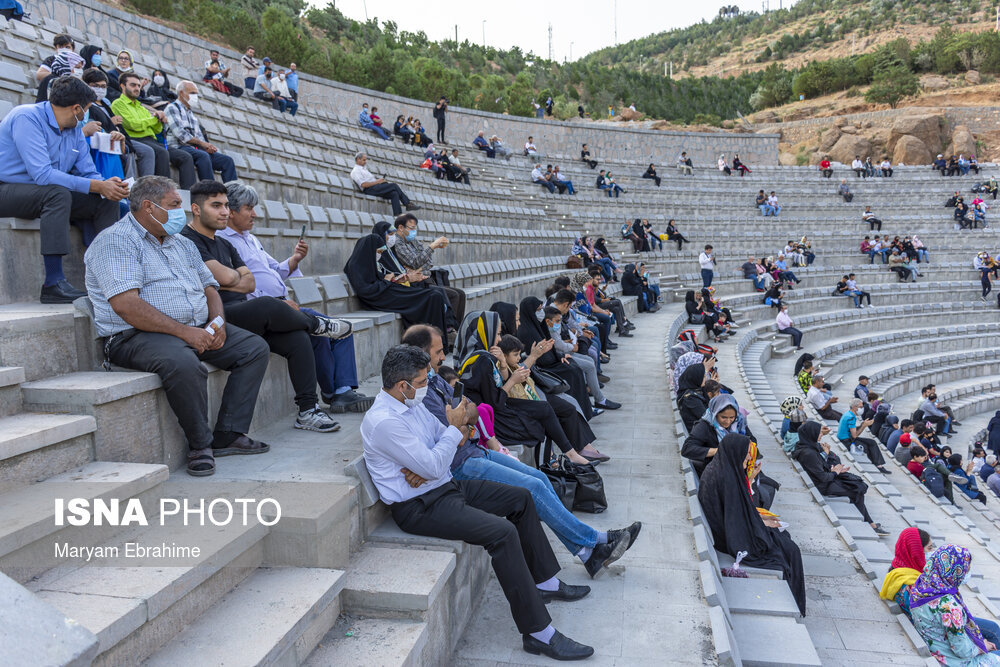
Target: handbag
548,382
579,487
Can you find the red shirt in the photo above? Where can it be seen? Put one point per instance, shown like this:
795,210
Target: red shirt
915,468
824,164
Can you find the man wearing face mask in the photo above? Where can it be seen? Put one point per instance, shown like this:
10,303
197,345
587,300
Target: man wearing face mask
153,300
280,88
46,172
184,133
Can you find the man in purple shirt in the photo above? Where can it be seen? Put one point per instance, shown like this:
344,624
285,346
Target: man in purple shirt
46,172
336,369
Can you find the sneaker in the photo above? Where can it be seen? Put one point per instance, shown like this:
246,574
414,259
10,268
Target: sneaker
316,420
603,378
329,327
958,479
880,531
349,401
597,412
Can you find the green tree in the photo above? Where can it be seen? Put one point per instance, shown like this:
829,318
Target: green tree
282,41
892,85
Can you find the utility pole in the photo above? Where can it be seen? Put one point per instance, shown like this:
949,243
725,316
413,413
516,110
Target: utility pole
550,41
484,33
998,19
456,34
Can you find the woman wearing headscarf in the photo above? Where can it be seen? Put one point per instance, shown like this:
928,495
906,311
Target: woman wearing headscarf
719,420
603,257
993,434
632,286
158,92
533,330
715,306
123,63
66,63
828,474
489,380
640,232
509,318
939,613
379,290
794,418
683,363
692,401
674,235
911,547
736,523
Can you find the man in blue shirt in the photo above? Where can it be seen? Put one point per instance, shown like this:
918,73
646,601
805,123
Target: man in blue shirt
46,172
849,432
596,549
292,81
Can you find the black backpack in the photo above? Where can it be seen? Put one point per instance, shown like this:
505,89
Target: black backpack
934,482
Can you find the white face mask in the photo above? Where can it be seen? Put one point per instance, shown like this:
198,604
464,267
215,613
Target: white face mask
540,315
418,397
159,80
100,92
193,100
392,240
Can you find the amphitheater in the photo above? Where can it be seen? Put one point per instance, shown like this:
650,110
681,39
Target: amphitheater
335,582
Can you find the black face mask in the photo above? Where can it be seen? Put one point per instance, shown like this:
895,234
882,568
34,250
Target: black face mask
794,426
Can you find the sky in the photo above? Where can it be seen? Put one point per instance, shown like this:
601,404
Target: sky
578,26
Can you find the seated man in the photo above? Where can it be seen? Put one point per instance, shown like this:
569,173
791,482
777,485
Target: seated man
529,147
61,43
262,89
844,191
606,182
279,86
184,132
409,453
538,176
551,178
900,264
365,121
482,144
761,202
406,254
285,329
859,167
336,369
857,291
456,172
586,159
936,415
869,217
822,399
481,457
379,187
805,376
684,164
153,297
562,183
46,172
772,201
825,167
849,433
143,125
920,463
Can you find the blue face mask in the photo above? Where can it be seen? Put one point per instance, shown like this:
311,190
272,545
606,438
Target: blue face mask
176,220
411,235
555,331
431,374
96,60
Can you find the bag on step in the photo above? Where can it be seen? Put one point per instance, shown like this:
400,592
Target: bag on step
579,487
934,482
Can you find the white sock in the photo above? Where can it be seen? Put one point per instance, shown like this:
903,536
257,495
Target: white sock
545,635
549,585
602,537
584,553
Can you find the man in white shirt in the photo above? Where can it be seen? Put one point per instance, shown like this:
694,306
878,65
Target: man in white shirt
707,262
822,399
772,201
873,222
280,88
859,167
538,176
408,453
379,187
855,290
529,147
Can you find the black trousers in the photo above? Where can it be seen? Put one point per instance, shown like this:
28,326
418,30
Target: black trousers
286,331
392,192
456,298
874,223
440,131
173,156
618,310
185,379
500,518
56,207
871,450
680,240
657,179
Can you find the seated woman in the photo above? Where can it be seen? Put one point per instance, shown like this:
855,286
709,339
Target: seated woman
794,418
969,487
921,249
720,419
632,285
694,304
521,415
912,545
827,473
939,614
603,257
735,521
694,391
739,166
531,330
158,93
674,235
715,307
380,290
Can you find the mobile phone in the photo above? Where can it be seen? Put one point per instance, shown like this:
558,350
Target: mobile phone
302,235
456,398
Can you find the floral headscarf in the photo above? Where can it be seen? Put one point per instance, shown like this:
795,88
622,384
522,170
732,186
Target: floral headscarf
579,281
686,360
943,574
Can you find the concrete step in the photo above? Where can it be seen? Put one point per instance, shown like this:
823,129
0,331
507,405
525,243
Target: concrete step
36,445
28,527
135,604
11,378
401,582
40,339
367,642
275,616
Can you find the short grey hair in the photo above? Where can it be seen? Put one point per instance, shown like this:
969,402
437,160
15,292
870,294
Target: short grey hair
152,188
240,194
359,155
403,362
855,402
991,459
180,86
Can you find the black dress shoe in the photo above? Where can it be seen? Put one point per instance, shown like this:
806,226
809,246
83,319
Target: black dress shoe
606,554
626,334
632,532
612,345
608,404
565,592
560,647
601,377
61,292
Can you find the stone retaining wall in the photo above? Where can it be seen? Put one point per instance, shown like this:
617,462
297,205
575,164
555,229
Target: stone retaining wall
156,42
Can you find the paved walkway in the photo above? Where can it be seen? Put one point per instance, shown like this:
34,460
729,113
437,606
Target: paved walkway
647,610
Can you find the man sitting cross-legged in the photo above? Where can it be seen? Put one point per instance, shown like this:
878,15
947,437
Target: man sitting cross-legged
285,328
153,297
480,457
402,437
336,368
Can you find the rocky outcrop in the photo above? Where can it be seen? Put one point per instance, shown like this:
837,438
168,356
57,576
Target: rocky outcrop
628,114
849,145
925,127
829,138
972,76
787,159
962,142
909,149
934,82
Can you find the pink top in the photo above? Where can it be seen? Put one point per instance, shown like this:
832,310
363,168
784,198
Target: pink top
783,320
588,290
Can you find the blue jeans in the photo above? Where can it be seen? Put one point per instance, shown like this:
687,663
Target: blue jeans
922,255
706,277
766,209
758,282
497,467
655,242
607,267
206,164
335,364
568,185
291,106
989,630
656,290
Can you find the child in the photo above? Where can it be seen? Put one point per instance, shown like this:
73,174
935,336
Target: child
449,375
978,459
